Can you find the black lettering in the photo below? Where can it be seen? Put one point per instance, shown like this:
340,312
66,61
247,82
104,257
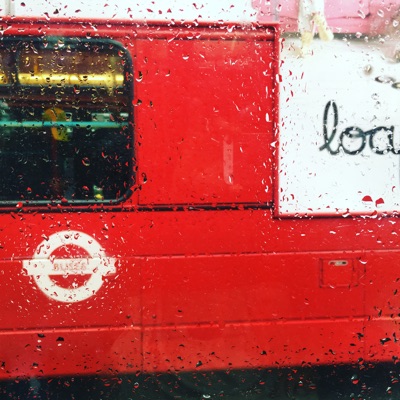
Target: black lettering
352,133
390,146
329,138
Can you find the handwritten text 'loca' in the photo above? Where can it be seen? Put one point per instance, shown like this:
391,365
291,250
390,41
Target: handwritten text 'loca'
354,132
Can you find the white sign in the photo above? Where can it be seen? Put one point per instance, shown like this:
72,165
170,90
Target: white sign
340,129
44,265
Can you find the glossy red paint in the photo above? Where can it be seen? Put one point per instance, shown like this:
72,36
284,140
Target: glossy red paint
206,275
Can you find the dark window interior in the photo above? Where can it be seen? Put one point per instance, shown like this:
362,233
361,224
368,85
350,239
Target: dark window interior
64,112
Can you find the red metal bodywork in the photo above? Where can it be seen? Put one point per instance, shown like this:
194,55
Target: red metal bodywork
207,277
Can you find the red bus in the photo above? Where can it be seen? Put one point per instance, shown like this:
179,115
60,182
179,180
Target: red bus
126,186
144,228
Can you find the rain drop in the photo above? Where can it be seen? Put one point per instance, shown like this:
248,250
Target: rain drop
361,14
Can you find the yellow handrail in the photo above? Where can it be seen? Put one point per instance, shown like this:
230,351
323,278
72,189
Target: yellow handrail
106,80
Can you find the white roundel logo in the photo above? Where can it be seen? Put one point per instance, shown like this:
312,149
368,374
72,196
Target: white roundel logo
47,268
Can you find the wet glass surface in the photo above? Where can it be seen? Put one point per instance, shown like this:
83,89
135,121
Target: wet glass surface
223,242
65,108
377,382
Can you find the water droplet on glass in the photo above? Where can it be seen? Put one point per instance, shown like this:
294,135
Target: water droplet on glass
312,386
86,161
384,79
368,69
361,14
375,96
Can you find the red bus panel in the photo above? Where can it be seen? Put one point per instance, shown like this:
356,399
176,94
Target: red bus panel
140,228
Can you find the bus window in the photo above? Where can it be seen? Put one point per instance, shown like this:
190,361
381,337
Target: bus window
64,107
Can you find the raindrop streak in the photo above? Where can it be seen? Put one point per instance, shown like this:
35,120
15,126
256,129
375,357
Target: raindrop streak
361,14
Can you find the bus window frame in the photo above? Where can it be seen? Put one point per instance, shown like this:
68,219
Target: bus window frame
81,44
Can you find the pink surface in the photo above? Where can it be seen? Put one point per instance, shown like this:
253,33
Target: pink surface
344,16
